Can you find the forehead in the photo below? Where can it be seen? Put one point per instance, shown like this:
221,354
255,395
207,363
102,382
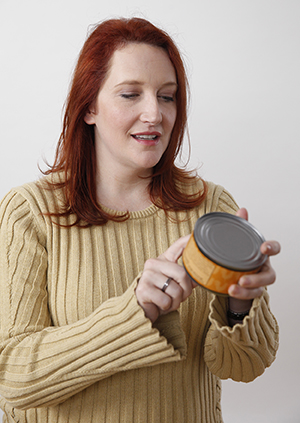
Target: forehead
139,61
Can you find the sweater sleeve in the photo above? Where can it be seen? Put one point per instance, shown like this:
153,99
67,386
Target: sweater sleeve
43,365
244,351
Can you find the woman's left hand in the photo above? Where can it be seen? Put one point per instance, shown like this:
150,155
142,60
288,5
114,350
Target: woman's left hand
252,286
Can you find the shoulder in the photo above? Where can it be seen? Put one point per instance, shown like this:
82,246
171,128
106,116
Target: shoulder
30,201
20,214
43,193
219,199
19,198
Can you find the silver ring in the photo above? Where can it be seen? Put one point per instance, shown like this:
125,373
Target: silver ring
166,284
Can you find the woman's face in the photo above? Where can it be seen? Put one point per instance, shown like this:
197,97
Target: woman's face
135,110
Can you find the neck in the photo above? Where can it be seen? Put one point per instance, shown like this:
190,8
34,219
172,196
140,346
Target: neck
122,192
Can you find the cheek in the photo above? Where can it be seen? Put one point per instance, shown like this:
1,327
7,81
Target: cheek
171,118
120,118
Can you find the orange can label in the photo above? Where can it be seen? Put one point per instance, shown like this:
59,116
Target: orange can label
207,273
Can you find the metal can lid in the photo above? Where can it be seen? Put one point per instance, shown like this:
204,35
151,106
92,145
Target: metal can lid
229,241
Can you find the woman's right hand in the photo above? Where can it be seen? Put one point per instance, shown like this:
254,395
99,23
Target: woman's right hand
156,271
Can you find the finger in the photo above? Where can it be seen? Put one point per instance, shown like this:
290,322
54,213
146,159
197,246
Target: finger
175,292
251,286
240,293
180,278
151,311
150,289
271,248
243,213
156,272
175,250
157,268
149,295
265,277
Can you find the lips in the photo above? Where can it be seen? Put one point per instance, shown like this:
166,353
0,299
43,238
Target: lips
147,136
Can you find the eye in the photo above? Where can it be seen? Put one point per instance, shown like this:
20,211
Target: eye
167,98
129,95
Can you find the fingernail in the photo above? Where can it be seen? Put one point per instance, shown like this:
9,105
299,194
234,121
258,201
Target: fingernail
244,282
267,248
232,290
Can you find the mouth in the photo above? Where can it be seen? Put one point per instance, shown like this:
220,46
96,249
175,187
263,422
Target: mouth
152,137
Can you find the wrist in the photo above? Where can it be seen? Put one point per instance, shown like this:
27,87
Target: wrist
236,316
237,310
239,306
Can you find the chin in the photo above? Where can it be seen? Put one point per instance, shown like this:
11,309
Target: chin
151,161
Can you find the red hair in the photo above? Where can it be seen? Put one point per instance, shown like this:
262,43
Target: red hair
75,154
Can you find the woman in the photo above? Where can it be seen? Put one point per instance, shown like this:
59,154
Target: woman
99,321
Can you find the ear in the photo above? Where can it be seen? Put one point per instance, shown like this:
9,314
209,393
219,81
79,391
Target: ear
89,118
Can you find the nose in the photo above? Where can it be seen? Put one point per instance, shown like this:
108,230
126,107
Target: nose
151,111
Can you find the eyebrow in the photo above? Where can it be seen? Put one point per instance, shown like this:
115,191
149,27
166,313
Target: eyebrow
133,82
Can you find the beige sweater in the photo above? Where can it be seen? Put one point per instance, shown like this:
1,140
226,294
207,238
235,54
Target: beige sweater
75,345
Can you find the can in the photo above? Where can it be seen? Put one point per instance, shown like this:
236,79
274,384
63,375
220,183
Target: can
221,249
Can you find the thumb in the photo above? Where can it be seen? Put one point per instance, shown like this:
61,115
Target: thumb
243,213
174,252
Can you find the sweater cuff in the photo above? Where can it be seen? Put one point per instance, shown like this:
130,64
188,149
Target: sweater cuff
241,352
169,326
218,313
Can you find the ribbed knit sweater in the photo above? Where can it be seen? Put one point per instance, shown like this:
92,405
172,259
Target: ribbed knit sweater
75,346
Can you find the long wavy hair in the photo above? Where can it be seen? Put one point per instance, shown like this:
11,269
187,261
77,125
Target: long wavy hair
75,153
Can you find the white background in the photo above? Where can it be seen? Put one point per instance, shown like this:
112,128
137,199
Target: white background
243,61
